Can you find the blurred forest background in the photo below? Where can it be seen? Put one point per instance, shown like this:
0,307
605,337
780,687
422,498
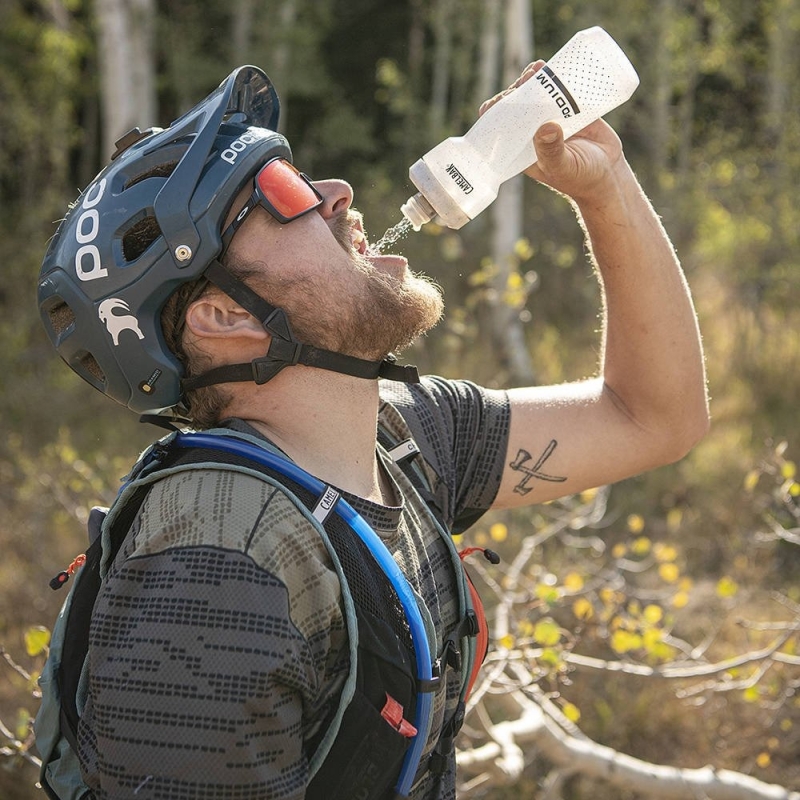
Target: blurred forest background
660,618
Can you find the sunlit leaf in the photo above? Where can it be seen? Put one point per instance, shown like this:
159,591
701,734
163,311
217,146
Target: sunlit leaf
571,712
506,641
727,587
751,480
573,582
550,657
669,573
680,600
625,641
546,632
548,594
583,609
635,523
664,552
653,614
751,694
763,760
498,532
37,639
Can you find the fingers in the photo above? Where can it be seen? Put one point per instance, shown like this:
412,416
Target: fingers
525,75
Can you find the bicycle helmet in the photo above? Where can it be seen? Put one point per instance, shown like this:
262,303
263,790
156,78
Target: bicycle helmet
152,221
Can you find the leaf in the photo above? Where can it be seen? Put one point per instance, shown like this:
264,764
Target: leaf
763,760
546,632
641,546
583,609
664,552
653,614
751,694
36,640
573,582
751,480
727,587
669,573
550,657
571,712
506,642
498,532
635,523
680,600
625,641
548,594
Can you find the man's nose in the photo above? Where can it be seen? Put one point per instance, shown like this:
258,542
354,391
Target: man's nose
337,197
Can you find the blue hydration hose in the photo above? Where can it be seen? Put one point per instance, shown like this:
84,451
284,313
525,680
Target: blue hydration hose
384,559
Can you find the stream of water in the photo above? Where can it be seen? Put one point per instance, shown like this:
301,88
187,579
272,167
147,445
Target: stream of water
393,235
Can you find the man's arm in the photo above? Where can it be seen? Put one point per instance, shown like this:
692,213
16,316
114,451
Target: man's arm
648,406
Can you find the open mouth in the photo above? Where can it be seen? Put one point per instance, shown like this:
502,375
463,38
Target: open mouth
358,239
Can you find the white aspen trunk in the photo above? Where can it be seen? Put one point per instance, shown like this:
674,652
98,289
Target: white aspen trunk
126,62
242,30
442,27
506,211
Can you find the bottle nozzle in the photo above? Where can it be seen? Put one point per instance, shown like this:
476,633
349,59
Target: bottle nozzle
417,210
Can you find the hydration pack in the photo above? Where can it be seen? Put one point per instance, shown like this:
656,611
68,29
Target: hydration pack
371,745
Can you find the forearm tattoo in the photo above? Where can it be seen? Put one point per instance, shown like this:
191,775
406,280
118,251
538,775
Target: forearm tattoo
520,464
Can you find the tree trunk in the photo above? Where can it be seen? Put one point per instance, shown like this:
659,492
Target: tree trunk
126,65
507,212
442,27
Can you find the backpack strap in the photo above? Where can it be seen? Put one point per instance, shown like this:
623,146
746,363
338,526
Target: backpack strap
472,627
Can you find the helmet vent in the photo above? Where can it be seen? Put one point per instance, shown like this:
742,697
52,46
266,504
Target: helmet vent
90,365
61,317
160,171
140,237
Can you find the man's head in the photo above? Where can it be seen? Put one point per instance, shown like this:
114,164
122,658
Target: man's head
124,290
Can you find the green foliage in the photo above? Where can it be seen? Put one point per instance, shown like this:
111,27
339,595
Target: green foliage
714,135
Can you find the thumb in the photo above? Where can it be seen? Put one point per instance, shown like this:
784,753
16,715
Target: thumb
549,144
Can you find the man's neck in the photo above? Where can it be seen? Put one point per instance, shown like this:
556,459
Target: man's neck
325,422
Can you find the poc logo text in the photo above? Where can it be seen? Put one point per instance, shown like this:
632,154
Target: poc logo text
88,266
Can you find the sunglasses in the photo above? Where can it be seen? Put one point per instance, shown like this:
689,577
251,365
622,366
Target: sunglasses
282,190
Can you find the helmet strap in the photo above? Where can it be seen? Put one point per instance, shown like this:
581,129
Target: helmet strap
284,349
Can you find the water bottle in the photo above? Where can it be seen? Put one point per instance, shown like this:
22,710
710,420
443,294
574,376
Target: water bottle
461,176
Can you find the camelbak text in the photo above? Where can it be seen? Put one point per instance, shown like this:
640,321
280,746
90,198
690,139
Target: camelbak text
88,266
230,154
459,179
560,94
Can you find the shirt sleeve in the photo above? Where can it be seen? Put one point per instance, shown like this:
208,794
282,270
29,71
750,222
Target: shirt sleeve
208,671
462,432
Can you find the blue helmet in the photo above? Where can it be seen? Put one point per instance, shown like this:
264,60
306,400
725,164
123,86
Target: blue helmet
100,298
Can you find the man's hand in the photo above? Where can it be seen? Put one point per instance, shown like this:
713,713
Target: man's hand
578,167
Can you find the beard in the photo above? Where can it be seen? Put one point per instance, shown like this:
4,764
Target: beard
366,313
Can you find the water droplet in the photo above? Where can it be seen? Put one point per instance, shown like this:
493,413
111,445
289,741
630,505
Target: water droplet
393,235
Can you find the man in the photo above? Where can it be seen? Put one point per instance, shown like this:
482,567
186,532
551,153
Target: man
219,644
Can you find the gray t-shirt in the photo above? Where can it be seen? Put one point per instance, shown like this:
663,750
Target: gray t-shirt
218,645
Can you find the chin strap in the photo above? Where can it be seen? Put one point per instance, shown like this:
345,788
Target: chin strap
284,350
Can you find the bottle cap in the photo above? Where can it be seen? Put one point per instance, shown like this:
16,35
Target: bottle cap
417,210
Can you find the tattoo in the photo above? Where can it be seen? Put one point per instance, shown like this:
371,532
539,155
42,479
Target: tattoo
520,462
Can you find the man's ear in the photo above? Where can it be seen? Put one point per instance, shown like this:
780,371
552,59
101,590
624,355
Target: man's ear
216,315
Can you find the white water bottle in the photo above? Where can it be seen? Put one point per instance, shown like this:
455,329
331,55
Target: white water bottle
461,176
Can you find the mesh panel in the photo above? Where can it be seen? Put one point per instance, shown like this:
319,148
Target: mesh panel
369,586
61,317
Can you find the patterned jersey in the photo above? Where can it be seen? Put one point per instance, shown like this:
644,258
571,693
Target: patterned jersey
218,645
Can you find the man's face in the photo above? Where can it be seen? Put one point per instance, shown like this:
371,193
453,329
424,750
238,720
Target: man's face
337,295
